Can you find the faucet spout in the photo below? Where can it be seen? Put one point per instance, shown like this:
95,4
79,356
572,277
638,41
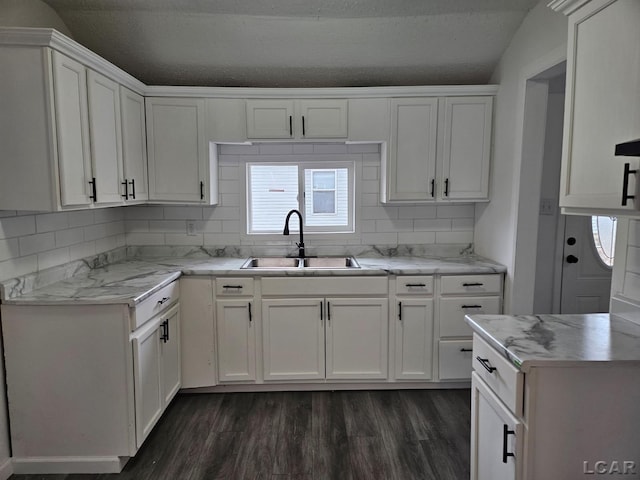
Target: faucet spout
301,252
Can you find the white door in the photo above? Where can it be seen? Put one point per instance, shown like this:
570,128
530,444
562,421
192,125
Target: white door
586,280
170,347
323,118
270,119
177,149
293,339
147,378
412,150
356,338
466,149
105,133
414,339
236,341
72,128
134,145
495,450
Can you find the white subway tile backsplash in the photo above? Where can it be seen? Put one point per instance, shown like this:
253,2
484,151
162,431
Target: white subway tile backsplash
37,243
71,236
369,186
379,213
50,222
417,211
93,232
141,238
221,213
330,148
168,226
416,238
367,226
302,148
81,218
239,149
370,173
17,226
432,224
456,211
462,224
363,148
183,213
229,172
395,225
9,249
222,239
369,200
108,215
107,243
53,258
7,213
231,226
454,237
183,239
136,226
15,267
144,212
209,226
380,238
275,149
82,250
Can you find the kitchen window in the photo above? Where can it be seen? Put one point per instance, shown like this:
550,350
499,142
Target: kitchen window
322,192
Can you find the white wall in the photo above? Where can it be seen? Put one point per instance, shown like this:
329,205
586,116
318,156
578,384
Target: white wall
542,34
30,13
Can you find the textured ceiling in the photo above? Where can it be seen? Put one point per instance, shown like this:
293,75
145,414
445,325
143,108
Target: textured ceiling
297,43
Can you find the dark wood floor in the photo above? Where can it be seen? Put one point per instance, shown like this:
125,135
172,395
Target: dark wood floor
369,435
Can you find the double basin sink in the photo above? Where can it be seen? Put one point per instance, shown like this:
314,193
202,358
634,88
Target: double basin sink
278,263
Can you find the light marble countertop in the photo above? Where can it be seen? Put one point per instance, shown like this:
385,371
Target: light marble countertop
561,340
130,281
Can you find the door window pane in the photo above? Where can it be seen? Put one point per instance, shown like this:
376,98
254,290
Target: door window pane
604,237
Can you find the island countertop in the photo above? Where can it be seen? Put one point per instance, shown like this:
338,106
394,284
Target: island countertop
563,340
130,281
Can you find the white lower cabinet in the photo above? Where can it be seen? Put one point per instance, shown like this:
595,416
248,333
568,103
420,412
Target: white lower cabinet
236,335
414,338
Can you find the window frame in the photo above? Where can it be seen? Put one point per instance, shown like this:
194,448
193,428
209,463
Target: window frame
341,233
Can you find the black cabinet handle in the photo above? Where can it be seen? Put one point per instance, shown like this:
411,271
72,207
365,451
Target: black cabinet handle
505,450
303,129
164,336
94,194
290,126
321,315
232,287
485,363
133,188
433,187
470,306
400,311
414,285
328,311
466,349
476,284
250,315
625,183
126,189
446,187
163,300
201,190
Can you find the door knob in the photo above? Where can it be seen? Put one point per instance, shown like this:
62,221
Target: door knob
572,259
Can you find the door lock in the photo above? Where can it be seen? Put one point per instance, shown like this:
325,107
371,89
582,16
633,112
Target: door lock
572,259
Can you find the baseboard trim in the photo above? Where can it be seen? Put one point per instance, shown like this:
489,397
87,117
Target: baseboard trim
305,387
44,465
6,469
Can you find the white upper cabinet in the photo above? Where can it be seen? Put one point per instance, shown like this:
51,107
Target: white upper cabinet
603,81
178,152
134,146
439,150
72,129
296,119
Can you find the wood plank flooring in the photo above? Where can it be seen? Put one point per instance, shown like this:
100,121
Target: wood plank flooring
346,435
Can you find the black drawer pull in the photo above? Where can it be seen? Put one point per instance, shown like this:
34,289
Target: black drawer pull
94,193
433,188
470,306
400,311
474,284
485,363
290,126
232,287
414,285
133,188
126,189
201,190
505,436
466,349
164,336
163,300
446,187
250,314
304,132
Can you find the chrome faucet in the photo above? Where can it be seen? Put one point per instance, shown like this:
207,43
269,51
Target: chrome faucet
286,231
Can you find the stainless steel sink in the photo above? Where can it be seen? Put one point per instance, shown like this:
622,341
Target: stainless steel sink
308,262
330,262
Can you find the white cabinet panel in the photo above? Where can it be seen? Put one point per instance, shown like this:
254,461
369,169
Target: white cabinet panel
454,358
414,339
105,135
177,150
72,128
356,338
270,118
170,345
324,118
453,310
293,339
236,336
134,145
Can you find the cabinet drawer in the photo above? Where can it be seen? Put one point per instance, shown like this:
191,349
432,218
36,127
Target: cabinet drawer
471,284
234,287
455,359
505,380
453,310
156,303
325,286
414,285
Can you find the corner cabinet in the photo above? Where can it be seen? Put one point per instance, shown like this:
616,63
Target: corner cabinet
181,167
600,111
297,119
439,150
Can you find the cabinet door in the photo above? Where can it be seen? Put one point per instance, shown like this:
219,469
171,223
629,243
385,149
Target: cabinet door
293,339
177,150
356,338
495,433
323,118
72,128
453,310
466,148
270,118
147,378
134,145
601,110
170,345
414,339
412,150
236,341
105,134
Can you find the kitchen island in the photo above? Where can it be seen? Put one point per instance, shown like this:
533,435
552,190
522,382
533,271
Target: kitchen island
555,396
